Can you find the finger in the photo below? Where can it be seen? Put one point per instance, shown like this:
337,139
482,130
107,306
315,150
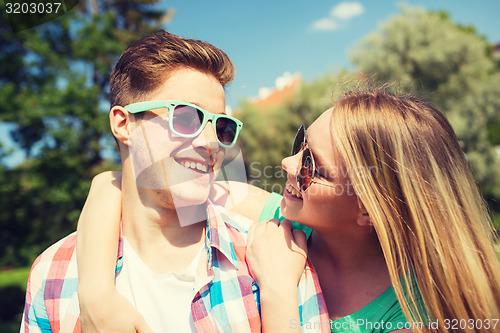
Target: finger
287,224
273,221
300,239
141,326
286,230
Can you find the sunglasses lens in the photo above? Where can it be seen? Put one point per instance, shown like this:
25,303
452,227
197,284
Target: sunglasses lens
298,143
306,172
226,130
186,119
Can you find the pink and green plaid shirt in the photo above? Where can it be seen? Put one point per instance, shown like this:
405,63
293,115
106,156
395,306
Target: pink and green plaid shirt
228,302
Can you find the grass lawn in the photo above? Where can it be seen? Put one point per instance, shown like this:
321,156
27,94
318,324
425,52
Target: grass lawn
14,277
12,289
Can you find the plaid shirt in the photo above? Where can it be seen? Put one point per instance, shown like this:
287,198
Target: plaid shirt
228,302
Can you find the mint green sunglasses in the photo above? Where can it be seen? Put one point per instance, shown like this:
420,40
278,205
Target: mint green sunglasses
188,120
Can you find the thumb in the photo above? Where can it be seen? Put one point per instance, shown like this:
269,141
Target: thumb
141,326
300,239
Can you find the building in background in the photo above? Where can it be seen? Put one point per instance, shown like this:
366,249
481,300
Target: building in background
282,93
496,51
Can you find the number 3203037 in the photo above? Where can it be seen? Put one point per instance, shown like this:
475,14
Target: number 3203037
32,7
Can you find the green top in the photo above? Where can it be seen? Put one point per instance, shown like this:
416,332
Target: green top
382,315
272,210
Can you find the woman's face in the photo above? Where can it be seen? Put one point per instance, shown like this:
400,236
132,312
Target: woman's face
330,201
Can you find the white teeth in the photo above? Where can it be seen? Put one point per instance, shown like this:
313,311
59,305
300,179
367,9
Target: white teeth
201,167
196,166
294,192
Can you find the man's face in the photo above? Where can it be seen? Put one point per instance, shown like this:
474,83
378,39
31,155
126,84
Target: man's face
178,171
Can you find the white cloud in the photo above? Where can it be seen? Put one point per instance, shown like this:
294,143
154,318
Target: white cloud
264,92
346,10
324,24
282,81
343,11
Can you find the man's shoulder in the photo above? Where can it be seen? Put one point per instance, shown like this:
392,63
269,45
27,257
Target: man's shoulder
60,254
52,289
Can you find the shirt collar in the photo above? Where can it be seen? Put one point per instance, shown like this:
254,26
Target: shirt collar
218,237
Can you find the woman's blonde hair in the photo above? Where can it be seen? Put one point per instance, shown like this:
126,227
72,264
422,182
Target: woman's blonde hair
431,221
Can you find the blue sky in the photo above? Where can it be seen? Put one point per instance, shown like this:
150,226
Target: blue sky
268,38
265,39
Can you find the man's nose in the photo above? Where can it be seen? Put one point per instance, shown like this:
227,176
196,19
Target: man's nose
207,138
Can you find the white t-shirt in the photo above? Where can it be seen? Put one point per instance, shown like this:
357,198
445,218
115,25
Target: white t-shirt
163,299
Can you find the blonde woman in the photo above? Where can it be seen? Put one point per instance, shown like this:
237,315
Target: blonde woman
415,221
400,239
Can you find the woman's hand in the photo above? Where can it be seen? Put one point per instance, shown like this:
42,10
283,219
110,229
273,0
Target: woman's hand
276,255
110,312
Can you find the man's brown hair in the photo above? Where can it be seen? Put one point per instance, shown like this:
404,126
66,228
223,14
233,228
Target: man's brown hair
146,64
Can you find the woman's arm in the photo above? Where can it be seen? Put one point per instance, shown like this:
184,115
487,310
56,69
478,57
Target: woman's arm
276,256
102,308
98,233
241,198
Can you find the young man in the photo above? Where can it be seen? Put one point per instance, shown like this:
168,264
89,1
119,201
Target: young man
181,260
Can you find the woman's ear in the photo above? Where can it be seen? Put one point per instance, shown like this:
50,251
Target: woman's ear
363,219
119,120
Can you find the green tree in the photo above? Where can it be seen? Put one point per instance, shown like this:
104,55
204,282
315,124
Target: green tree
54,97
268,133
422,52
452,65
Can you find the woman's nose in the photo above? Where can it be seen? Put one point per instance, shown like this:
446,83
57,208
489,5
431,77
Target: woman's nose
290,164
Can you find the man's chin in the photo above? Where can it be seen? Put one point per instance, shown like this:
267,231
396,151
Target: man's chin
190,207
189,196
